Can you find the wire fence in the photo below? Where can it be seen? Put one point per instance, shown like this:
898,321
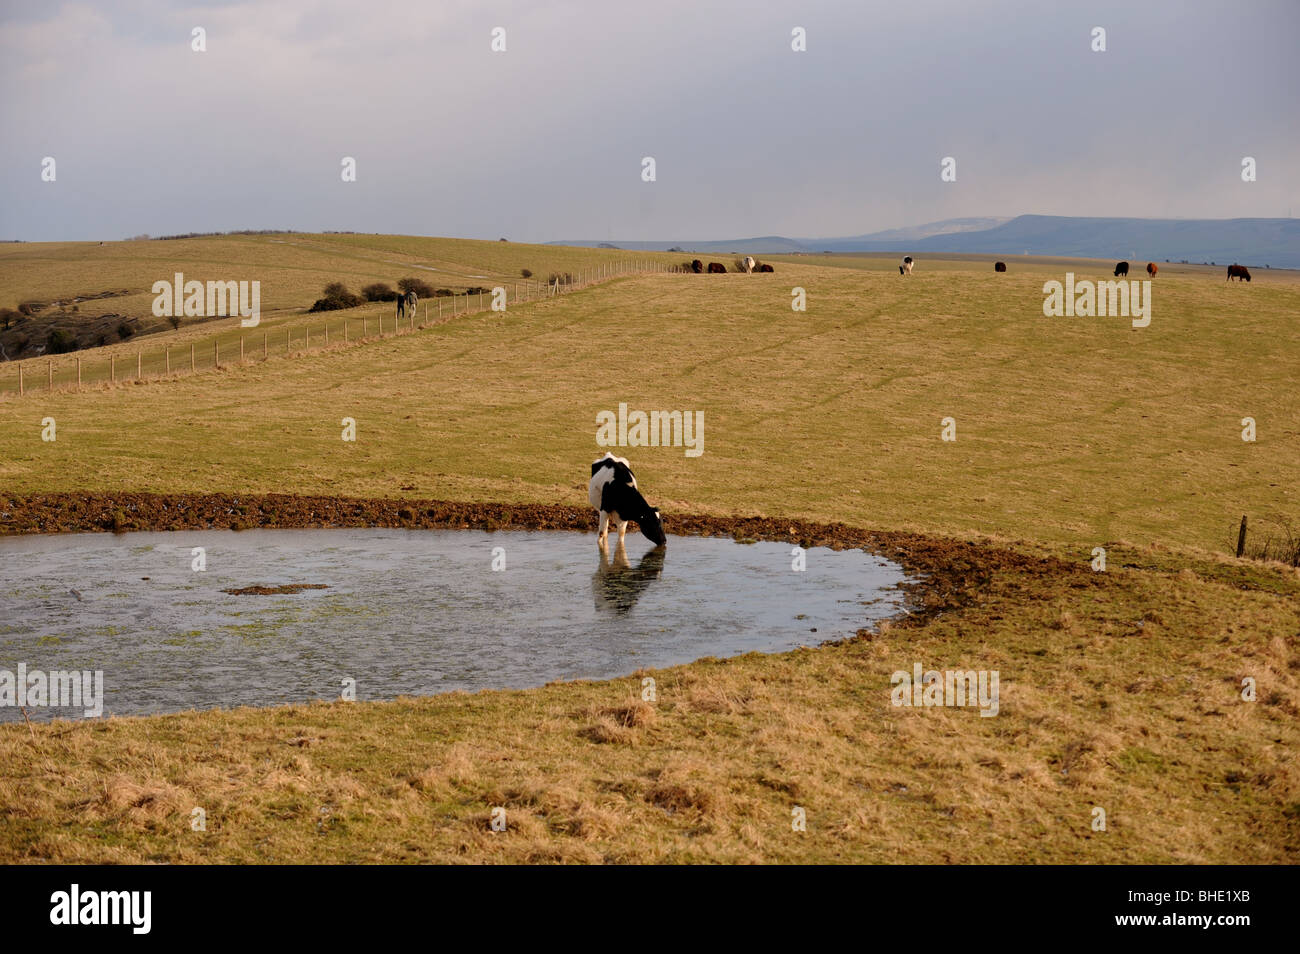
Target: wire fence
121,363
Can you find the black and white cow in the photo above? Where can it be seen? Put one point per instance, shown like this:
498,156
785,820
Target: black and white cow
905,267
613,492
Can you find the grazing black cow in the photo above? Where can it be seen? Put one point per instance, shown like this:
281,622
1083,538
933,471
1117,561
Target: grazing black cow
1121,268
1238,272
617,585
717,268
999,266
906,267
613,492
765,267
697,266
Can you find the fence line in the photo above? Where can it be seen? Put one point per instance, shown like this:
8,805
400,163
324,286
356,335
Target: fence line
65,373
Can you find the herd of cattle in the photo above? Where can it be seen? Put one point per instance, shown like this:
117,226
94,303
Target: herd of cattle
748,264
1238,272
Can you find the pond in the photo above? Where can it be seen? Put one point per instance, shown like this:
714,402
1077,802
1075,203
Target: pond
398,612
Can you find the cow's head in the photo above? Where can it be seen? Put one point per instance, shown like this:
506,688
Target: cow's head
652,527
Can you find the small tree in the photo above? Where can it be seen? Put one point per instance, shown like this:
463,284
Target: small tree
60,342
526,272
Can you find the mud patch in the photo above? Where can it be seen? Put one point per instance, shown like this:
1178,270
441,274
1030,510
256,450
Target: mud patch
275,590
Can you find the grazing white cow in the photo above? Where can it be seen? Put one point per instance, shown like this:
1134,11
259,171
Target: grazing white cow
749,263
613,492
906,267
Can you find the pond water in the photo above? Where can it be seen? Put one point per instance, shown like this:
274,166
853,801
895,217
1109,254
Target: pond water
402,612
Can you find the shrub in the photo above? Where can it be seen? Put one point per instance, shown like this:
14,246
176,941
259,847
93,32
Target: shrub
379,292
60,342
563,278
9,316
124,331
336,297
336,302
174,321
526,272
476,289
421,288
30,307
1281,542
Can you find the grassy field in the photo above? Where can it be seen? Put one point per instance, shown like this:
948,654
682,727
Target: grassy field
1072,433
292,269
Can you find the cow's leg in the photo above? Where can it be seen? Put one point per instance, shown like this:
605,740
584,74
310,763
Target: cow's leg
622,530
604,528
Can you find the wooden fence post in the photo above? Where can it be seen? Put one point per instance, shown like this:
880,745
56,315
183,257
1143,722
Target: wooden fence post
191,357
20,380
167,354
241,349
112,367
216,353
266,345
1241,537
78,372
51,374
139,364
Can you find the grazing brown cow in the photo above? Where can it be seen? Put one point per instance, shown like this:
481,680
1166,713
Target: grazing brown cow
1152,268
999,266
1238,272
717,268
697,266
765,267
1121,268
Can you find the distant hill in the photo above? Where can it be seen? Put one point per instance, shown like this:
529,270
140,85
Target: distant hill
768,243
894,237
1274,242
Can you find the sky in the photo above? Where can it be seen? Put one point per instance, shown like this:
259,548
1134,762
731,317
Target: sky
546,139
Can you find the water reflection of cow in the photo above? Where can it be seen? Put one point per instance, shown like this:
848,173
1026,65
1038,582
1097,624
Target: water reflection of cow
617,585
